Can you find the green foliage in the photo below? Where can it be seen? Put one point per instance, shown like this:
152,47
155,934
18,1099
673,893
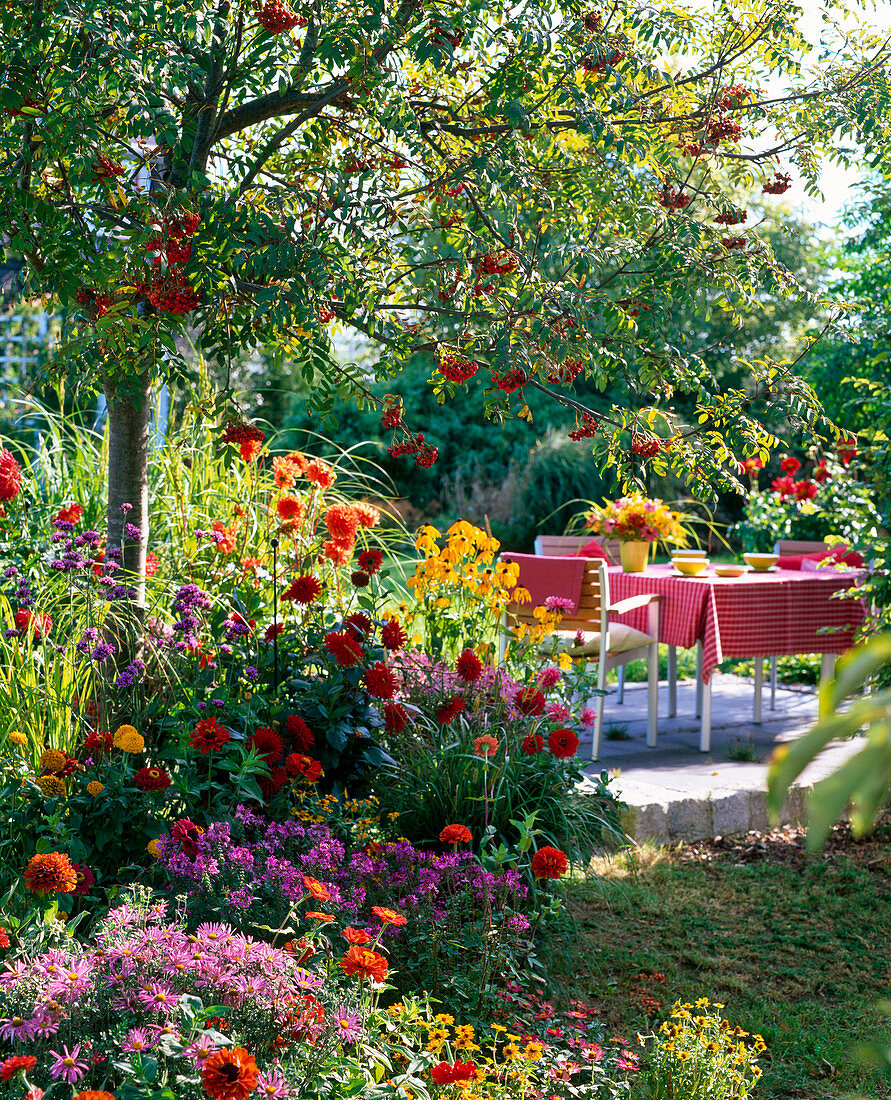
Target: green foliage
864,780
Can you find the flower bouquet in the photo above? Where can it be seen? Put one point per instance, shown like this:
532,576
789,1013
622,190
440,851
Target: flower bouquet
636,522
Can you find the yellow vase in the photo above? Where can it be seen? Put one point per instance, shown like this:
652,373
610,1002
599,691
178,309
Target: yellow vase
634,556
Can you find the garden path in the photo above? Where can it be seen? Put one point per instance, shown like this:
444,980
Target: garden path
674,792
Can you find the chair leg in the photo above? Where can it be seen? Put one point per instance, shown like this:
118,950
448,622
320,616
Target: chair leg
652,693
773,683
598,721
620,687
672,681
759,686
705,733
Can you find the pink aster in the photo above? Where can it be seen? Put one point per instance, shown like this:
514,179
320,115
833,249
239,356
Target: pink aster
199,1051
347,1025
158,997
136,1039
66,1065
272,1086
559,604
16,1027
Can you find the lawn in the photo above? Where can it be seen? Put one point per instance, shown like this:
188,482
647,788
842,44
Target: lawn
797,949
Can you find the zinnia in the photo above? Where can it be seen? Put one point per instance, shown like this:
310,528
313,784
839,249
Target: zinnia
364,963
455,834
152,779
356,936
485,746
318,889
50,873
10,476
532,745
389,916
18,1063
563,744
229,1074
549,863
209,735
93,1094
303,589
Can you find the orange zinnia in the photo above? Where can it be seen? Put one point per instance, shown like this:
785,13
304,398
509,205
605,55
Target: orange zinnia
455,834
365,963
318,890
389,916
229,1074
50,873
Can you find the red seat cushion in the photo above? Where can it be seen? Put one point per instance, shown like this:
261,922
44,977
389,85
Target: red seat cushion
839,553
593,549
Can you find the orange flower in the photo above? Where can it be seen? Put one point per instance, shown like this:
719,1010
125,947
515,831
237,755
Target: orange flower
455,834
355,935
93,1094
337,552
320,473
289,507
50,873
326,918
389,916
367,515
365,963
225,545
485,746
318,890
549,863
343,522
229,1074
285,472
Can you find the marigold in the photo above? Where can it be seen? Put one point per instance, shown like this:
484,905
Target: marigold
10,476
455,834
52,760
152,779
389,916
94,788
51,786
549,863
153,849
365,963
563,743
50,873
209,735
289,507
17,738
128,740
381,681
229,1074
304,589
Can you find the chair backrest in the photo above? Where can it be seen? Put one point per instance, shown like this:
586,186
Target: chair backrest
787,547
592,608
555,546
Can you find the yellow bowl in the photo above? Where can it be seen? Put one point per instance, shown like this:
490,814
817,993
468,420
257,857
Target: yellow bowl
761,562
689,554
690,566
729,570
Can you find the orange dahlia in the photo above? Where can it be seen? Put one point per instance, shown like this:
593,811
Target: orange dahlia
50,873
229,1074
342,521
366,964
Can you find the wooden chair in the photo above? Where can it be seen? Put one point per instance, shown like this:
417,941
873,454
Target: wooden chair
551,546
611,645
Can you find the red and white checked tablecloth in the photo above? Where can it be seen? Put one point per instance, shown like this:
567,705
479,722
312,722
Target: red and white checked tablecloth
755,615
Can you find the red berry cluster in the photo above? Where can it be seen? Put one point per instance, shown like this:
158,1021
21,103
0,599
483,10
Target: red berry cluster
239,431
99,303
735,96
634,307
720,128
730,217
455,369
392,415
566,372
692,148
674,200
593,22
647,445
497,263
441,34
511,380
106,168
734,242
276,17
425,453
780,183
170,292
602,64
325,315
586,430
178,252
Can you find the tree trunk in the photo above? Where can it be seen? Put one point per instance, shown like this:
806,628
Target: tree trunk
128,442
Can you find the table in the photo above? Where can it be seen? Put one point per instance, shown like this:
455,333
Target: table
756,615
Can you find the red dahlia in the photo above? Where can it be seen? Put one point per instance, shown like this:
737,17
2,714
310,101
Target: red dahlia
549,863
10,476
532,745
395,717
300,736
71,513
358,623
4,937
563,744
469,667
344,648
303,589
370,561
151,779
393,635
449,711
229,1074
380,681
268,744
530,701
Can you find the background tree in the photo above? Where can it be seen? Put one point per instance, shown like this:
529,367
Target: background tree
261,172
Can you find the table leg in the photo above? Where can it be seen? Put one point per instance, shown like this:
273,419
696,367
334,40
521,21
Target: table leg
773,683
705,733
620,686
759,687
827,666
698,679
672,681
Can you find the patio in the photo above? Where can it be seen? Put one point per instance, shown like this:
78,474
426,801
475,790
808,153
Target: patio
674,792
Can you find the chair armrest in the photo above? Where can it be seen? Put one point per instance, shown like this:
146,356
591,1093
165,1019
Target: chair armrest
643,600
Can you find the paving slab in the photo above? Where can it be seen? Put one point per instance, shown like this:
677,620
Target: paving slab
674,792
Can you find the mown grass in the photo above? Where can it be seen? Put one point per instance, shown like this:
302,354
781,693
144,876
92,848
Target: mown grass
798,950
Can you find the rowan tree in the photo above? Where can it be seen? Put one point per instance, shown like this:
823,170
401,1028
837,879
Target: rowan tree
522,190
